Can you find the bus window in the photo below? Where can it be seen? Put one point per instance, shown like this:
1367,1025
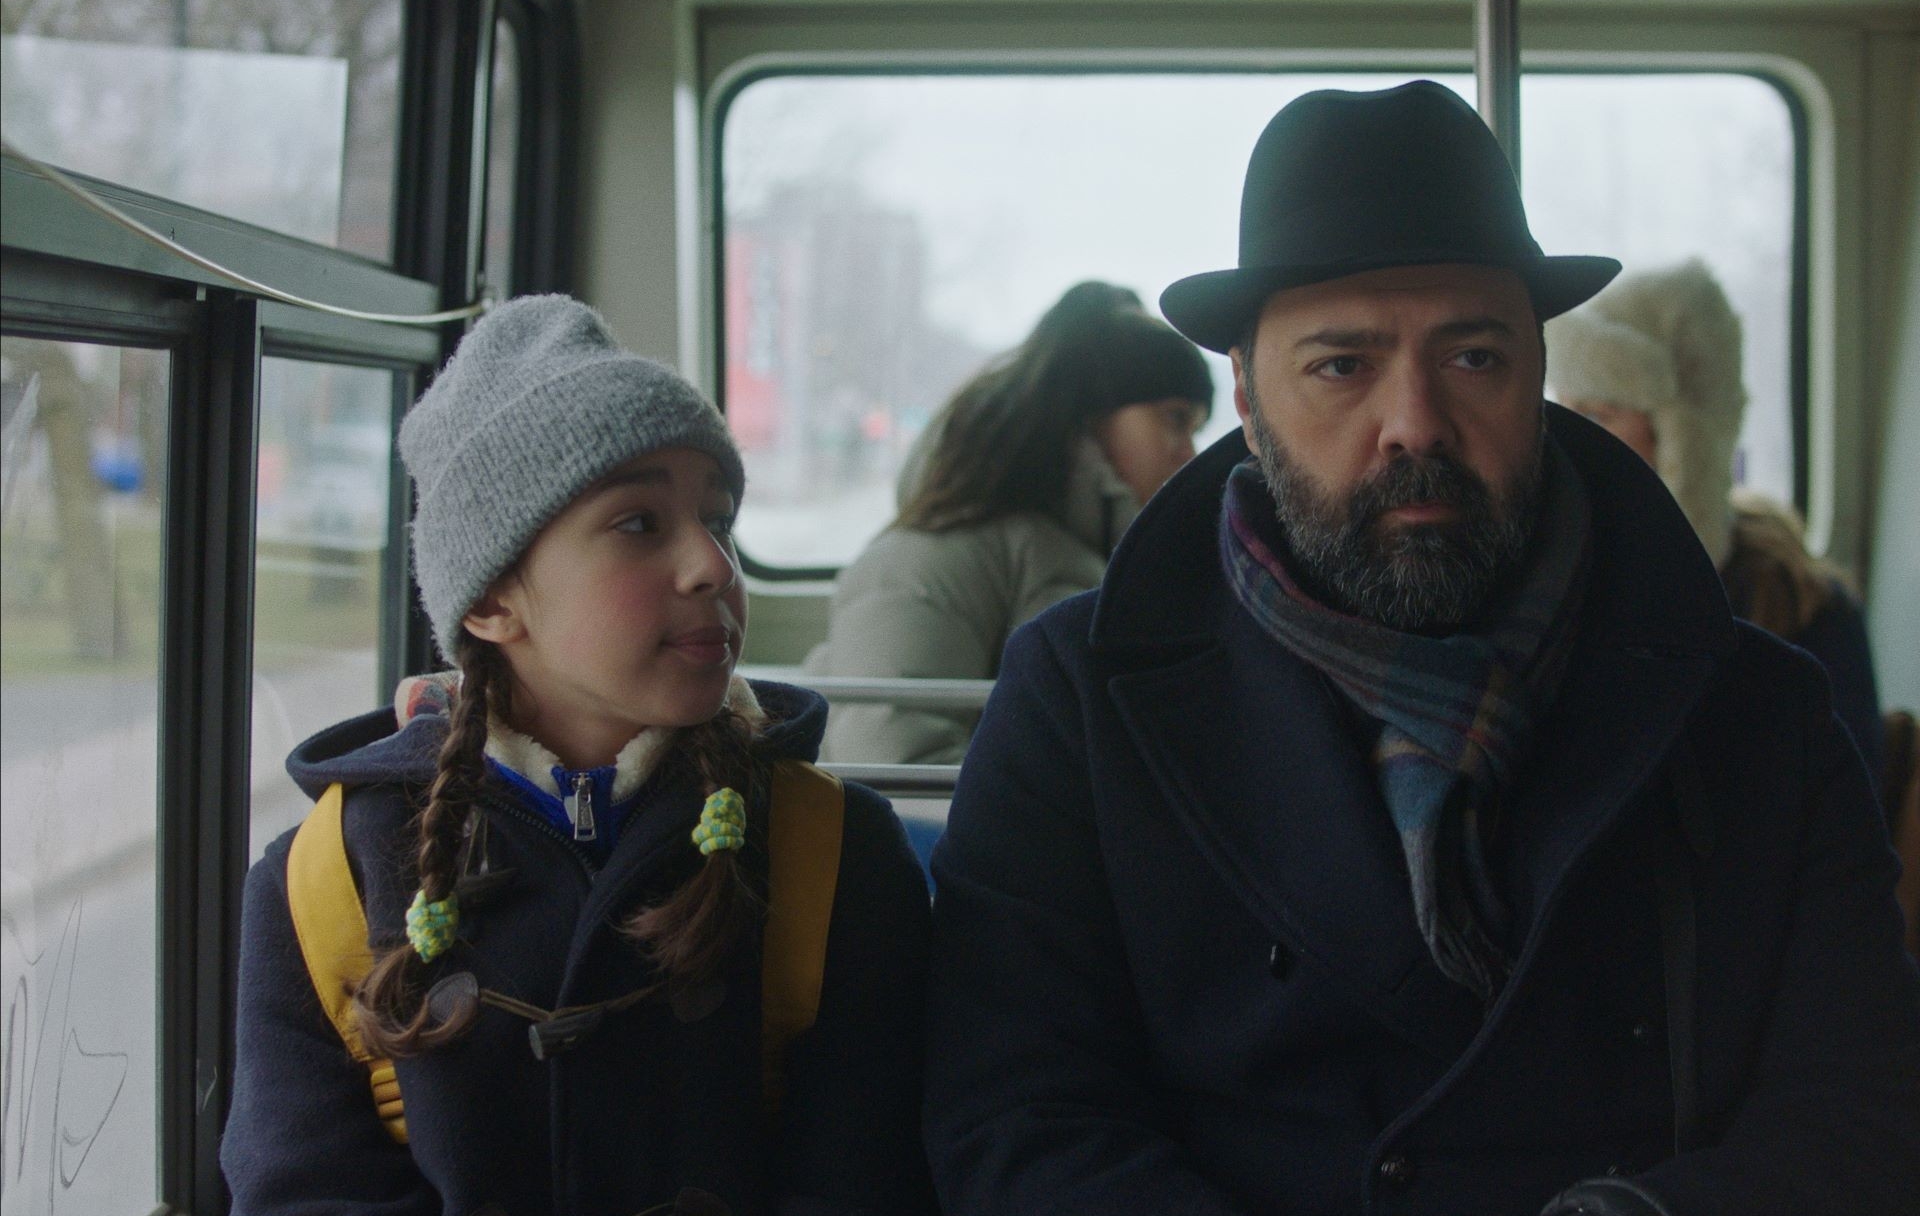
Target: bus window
325,443
884,235
1655,169
281,116
84,483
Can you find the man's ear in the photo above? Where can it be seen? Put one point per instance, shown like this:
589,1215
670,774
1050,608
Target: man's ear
1242,400
494,618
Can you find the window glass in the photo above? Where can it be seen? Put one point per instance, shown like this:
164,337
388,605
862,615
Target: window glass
503,149
1655,169
885,235
325,444
82,475
277,113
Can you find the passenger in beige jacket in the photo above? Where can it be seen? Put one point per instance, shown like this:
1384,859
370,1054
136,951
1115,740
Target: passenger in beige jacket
1012,501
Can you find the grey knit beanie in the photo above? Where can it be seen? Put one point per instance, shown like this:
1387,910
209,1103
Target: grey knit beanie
537,403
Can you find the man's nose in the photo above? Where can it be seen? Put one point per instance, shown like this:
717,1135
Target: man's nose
1414,420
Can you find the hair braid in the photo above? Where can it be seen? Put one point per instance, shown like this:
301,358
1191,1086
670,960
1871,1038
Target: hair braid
691,934
392,1008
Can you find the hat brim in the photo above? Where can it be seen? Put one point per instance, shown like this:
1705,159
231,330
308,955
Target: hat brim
1213,309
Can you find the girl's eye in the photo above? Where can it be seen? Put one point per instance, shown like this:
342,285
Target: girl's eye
721,526
1478,359
637,524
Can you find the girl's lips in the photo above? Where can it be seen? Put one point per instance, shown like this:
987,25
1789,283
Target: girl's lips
707,647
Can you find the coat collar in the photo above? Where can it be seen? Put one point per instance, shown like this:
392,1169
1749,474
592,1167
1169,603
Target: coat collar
1255,754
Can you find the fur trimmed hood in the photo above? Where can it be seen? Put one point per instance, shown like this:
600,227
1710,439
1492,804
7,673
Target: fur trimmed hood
1667,343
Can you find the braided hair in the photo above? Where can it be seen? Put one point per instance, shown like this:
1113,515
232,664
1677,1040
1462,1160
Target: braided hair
391,1002
689,936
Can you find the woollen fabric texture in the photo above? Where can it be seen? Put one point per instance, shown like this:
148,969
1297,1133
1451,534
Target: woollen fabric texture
1457,712
537,403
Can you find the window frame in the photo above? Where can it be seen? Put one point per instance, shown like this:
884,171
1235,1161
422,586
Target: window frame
68,274
1793,88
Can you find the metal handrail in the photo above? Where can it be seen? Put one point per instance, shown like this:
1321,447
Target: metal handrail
901,780
1496,69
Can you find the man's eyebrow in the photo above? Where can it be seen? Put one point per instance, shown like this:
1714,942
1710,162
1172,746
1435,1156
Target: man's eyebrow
1468,327
1365,339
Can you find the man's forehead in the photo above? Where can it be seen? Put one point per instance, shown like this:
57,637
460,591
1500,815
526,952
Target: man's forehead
1432,294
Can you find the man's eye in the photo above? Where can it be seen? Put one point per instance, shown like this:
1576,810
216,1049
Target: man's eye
1478,359
1340,367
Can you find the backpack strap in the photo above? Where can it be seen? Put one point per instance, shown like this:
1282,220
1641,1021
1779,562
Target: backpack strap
332,928
808,819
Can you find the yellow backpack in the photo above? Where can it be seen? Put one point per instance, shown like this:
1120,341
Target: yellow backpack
804,869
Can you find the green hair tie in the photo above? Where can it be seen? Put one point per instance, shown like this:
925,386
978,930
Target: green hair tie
432,924
723,822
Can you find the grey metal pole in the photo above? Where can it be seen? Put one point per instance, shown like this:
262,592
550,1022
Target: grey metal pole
1496,70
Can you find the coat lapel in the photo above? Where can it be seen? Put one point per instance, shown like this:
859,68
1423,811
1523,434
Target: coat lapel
1615,720
1250,748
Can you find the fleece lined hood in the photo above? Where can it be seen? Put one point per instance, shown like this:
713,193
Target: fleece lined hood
375,749
1665,343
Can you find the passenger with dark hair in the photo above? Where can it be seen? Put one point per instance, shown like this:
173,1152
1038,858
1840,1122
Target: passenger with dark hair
1406,825
1655,359
629,950
1012,501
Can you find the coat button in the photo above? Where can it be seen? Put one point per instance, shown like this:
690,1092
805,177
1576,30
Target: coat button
1644,1033
1279,961
1396,1170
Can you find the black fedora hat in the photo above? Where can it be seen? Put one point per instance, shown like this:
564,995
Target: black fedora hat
1341,183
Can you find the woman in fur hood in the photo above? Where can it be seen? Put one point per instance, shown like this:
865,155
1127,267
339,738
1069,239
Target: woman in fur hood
1655,359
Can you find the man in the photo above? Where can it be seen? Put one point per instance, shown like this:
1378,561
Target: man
1405,825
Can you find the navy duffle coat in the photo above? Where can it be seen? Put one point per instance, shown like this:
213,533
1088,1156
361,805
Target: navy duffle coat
1176,967
654,1100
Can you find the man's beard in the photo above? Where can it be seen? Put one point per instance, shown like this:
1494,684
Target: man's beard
1418,578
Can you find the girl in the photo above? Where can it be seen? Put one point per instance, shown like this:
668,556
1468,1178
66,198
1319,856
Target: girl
1019,491
564,860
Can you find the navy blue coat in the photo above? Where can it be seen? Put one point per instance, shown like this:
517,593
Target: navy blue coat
1175,962
647,1105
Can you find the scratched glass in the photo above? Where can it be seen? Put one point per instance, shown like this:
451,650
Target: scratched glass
82,479
283,113
325,447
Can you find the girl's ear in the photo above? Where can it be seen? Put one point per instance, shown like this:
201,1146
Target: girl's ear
495,618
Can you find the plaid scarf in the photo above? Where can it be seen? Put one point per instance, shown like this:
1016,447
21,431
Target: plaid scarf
1457,712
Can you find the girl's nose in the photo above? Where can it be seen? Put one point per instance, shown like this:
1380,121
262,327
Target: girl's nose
707,563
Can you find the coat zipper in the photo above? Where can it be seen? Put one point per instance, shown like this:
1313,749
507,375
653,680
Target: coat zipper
512,809
579,806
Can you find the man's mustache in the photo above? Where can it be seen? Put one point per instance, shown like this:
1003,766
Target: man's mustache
1411,480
